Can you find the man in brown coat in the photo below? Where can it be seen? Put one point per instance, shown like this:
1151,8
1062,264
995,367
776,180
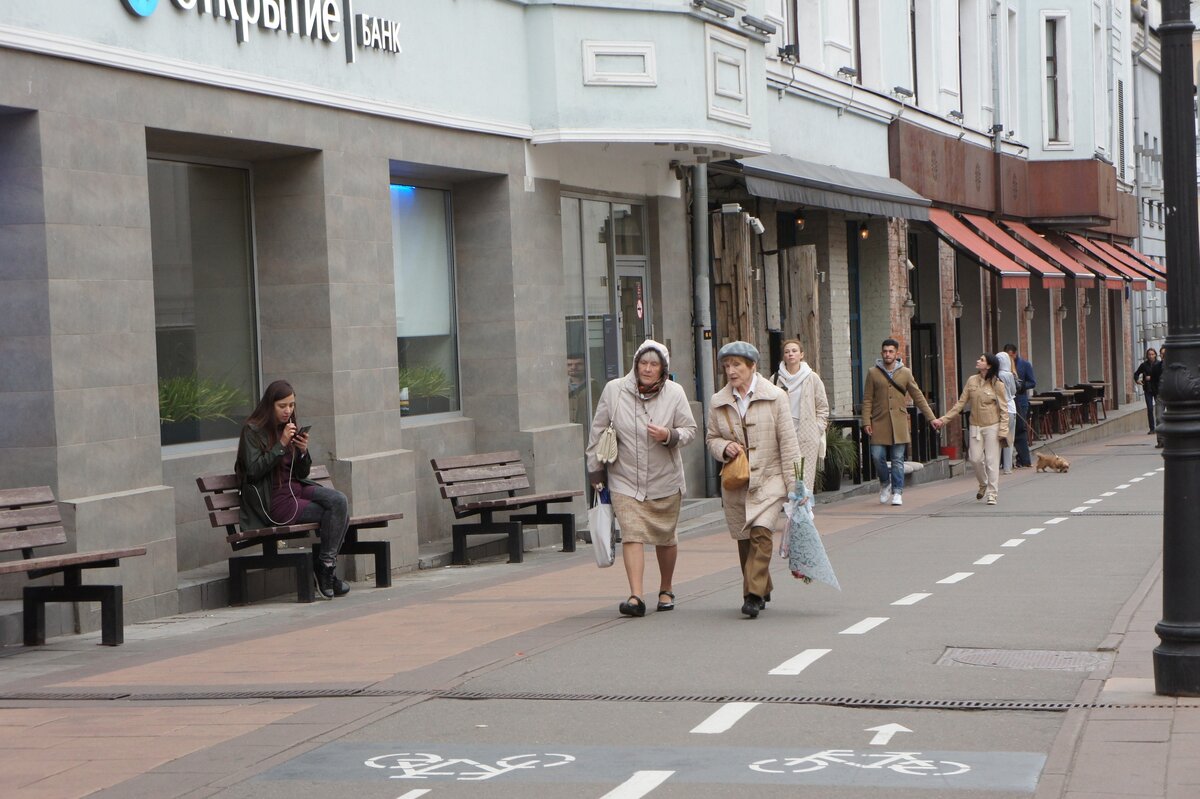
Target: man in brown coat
889,384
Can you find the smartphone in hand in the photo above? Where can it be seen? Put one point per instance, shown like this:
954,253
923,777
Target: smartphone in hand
303,431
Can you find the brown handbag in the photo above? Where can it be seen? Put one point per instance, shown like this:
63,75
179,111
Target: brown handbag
735,473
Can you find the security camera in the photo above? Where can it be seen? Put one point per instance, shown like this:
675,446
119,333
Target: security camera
756,225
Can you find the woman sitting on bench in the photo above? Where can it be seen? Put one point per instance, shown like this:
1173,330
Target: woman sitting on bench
272,466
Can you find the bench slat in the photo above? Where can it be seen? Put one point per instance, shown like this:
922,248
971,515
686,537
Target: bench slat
217,482
485,459
488,487
495,472
54,562
268,532
224,518
40,537
32,495
514,503
226,500
28,517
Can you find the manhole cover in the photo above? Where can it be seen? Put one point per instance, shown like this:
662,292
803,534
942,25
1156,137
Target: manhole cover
1025,659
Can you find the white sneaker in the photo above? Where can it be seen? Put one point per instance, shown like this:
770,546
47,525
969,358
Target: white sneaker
885,494
991,500
897,499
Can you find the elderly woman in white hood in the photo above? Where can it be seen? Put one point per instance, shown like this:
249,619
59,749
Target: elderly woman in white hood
1010,385
652,419
810,405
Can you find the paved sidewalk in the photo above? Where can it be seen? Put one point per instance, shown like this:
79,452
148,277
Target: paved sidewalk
1149,746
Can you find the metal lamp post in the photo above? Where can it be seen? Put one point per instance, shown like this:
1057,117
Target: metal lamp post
1177,657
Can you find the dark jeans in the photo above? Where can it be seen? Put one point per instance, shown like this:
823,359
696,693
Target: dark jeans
882,454
1150,409
1021,438
330,510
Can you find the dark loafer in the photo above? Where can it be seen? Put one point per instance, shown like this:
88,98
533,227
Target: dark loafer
634,606
751,606
666,605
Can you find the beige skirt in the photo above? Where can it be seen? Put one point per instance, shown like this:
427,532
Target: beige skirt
651,521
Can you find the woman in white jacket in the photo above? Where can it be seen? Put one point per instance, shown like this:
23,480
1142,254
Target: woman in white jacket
1010,385
809,403
652,419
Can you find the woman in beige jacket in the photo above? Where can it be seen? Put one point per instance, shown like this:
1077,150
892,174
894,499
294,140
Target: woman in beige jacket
988,400
652,419
751,414
809,404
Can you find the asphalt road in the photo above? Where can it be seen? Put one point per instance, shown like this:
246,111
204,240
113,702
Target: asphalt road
867,692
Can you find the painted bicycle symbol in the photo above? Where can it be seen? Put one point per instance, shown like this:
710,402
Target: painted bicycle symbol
910,763
422,765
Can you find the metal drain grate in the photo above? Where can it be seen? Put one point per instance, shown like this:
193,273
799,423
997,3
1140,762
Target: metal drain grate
1028,659
950,514
340,693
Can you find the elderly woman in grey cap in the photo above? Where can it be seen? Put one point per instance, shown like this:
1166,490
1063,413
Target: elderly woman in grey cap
652,420
753,415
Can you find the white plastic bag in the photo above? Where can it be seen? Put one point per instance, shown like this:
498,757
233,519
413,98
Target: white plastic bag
600,525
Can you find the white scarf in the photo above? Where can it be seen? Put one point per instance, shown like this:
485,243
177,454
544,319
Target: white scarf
793,382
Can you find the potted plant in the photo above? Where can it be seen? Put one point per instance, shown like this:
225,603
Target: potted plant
424,389
187,400
840,456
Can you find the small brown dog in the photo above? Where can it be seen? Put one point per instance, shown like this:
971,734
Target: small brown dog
1055,462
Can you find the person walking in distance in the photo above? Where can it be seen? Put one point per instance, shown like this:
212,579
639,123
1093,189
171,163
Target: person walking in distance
1146,376
1026,382
889,385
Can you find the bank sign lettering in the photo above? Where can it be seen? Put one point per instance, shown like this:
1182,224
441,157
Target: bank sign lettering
322,20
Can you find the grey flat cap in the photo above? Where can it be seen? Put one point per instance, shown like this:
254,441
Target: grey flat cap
742,348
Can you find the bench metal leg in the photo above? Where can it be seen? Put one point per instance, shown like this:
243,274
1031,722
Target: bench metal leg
110,597
459,533
299,562
565,520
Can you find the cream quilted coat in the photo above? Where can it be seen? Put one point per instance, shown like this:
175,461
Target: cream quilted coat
810,427
770,440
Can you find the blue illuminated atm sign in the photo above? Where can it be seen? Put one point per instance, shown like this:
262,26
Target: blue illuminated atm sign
320,20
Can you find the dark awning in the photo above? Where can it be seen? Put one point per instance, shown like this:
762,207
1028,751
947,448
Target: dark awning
1012,274
780,177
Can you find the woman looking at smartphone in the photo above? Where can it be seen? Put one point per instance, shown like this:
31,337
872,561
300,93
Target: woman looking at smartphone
272,467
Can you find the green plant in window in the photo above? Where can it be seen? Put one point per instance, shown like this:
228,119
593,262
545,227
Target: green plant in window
425,381
841,455
194,398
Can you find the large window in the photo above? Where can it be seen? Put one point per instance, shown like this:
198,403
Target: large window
203,299
426,331
1056,89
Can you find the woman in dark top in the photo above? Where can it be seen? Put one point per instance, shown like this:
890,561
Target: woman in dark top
272,467
1147,375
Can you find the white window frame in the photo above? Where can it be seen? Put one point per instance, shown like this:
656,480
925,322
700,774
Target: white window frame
1066,116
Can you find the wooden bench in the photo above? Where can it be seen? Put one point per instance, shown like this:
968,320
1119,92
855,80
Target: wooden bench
466,480
223,499
29,519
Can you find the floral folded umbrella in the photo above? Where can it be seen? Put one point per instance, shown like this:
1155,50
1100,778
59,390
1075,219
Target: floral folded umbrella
802,544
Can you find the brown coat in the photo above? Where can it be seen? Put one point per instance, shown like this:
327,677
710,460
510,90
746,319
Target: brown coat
886,410
770,441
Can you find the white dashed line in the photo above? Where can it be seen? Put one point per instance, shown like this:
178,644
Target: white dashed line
1081,509
1013,542
1161,469
988,560
864,626
1136,479
1149,474
955,578
724,718
799,663
912,599
1055,520
415,793
640,784
1033,531
1123,485
1109,494
1092,501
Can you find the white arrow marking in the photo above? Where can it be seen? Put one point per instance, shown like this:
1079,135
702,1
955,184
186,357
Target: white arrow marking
884,733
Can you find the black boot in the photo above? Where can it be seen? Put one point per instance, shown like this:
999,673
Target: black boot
752,606
328,583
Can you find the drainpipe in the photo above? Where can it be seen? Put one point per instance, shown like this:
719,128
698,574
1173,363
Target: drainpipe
1137,160
702,311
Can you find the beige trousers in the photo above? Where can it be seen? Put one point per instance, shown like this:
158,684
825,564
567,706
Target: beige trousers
984,454
755,555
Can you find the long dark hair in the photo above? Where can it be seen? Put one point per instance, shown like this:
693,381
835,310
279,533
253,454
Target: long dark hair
993,369
262,418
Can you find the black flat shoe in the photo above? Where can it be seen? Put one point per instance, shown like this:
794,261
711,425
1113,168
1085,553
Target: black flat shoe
751,606
666,605
629,608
